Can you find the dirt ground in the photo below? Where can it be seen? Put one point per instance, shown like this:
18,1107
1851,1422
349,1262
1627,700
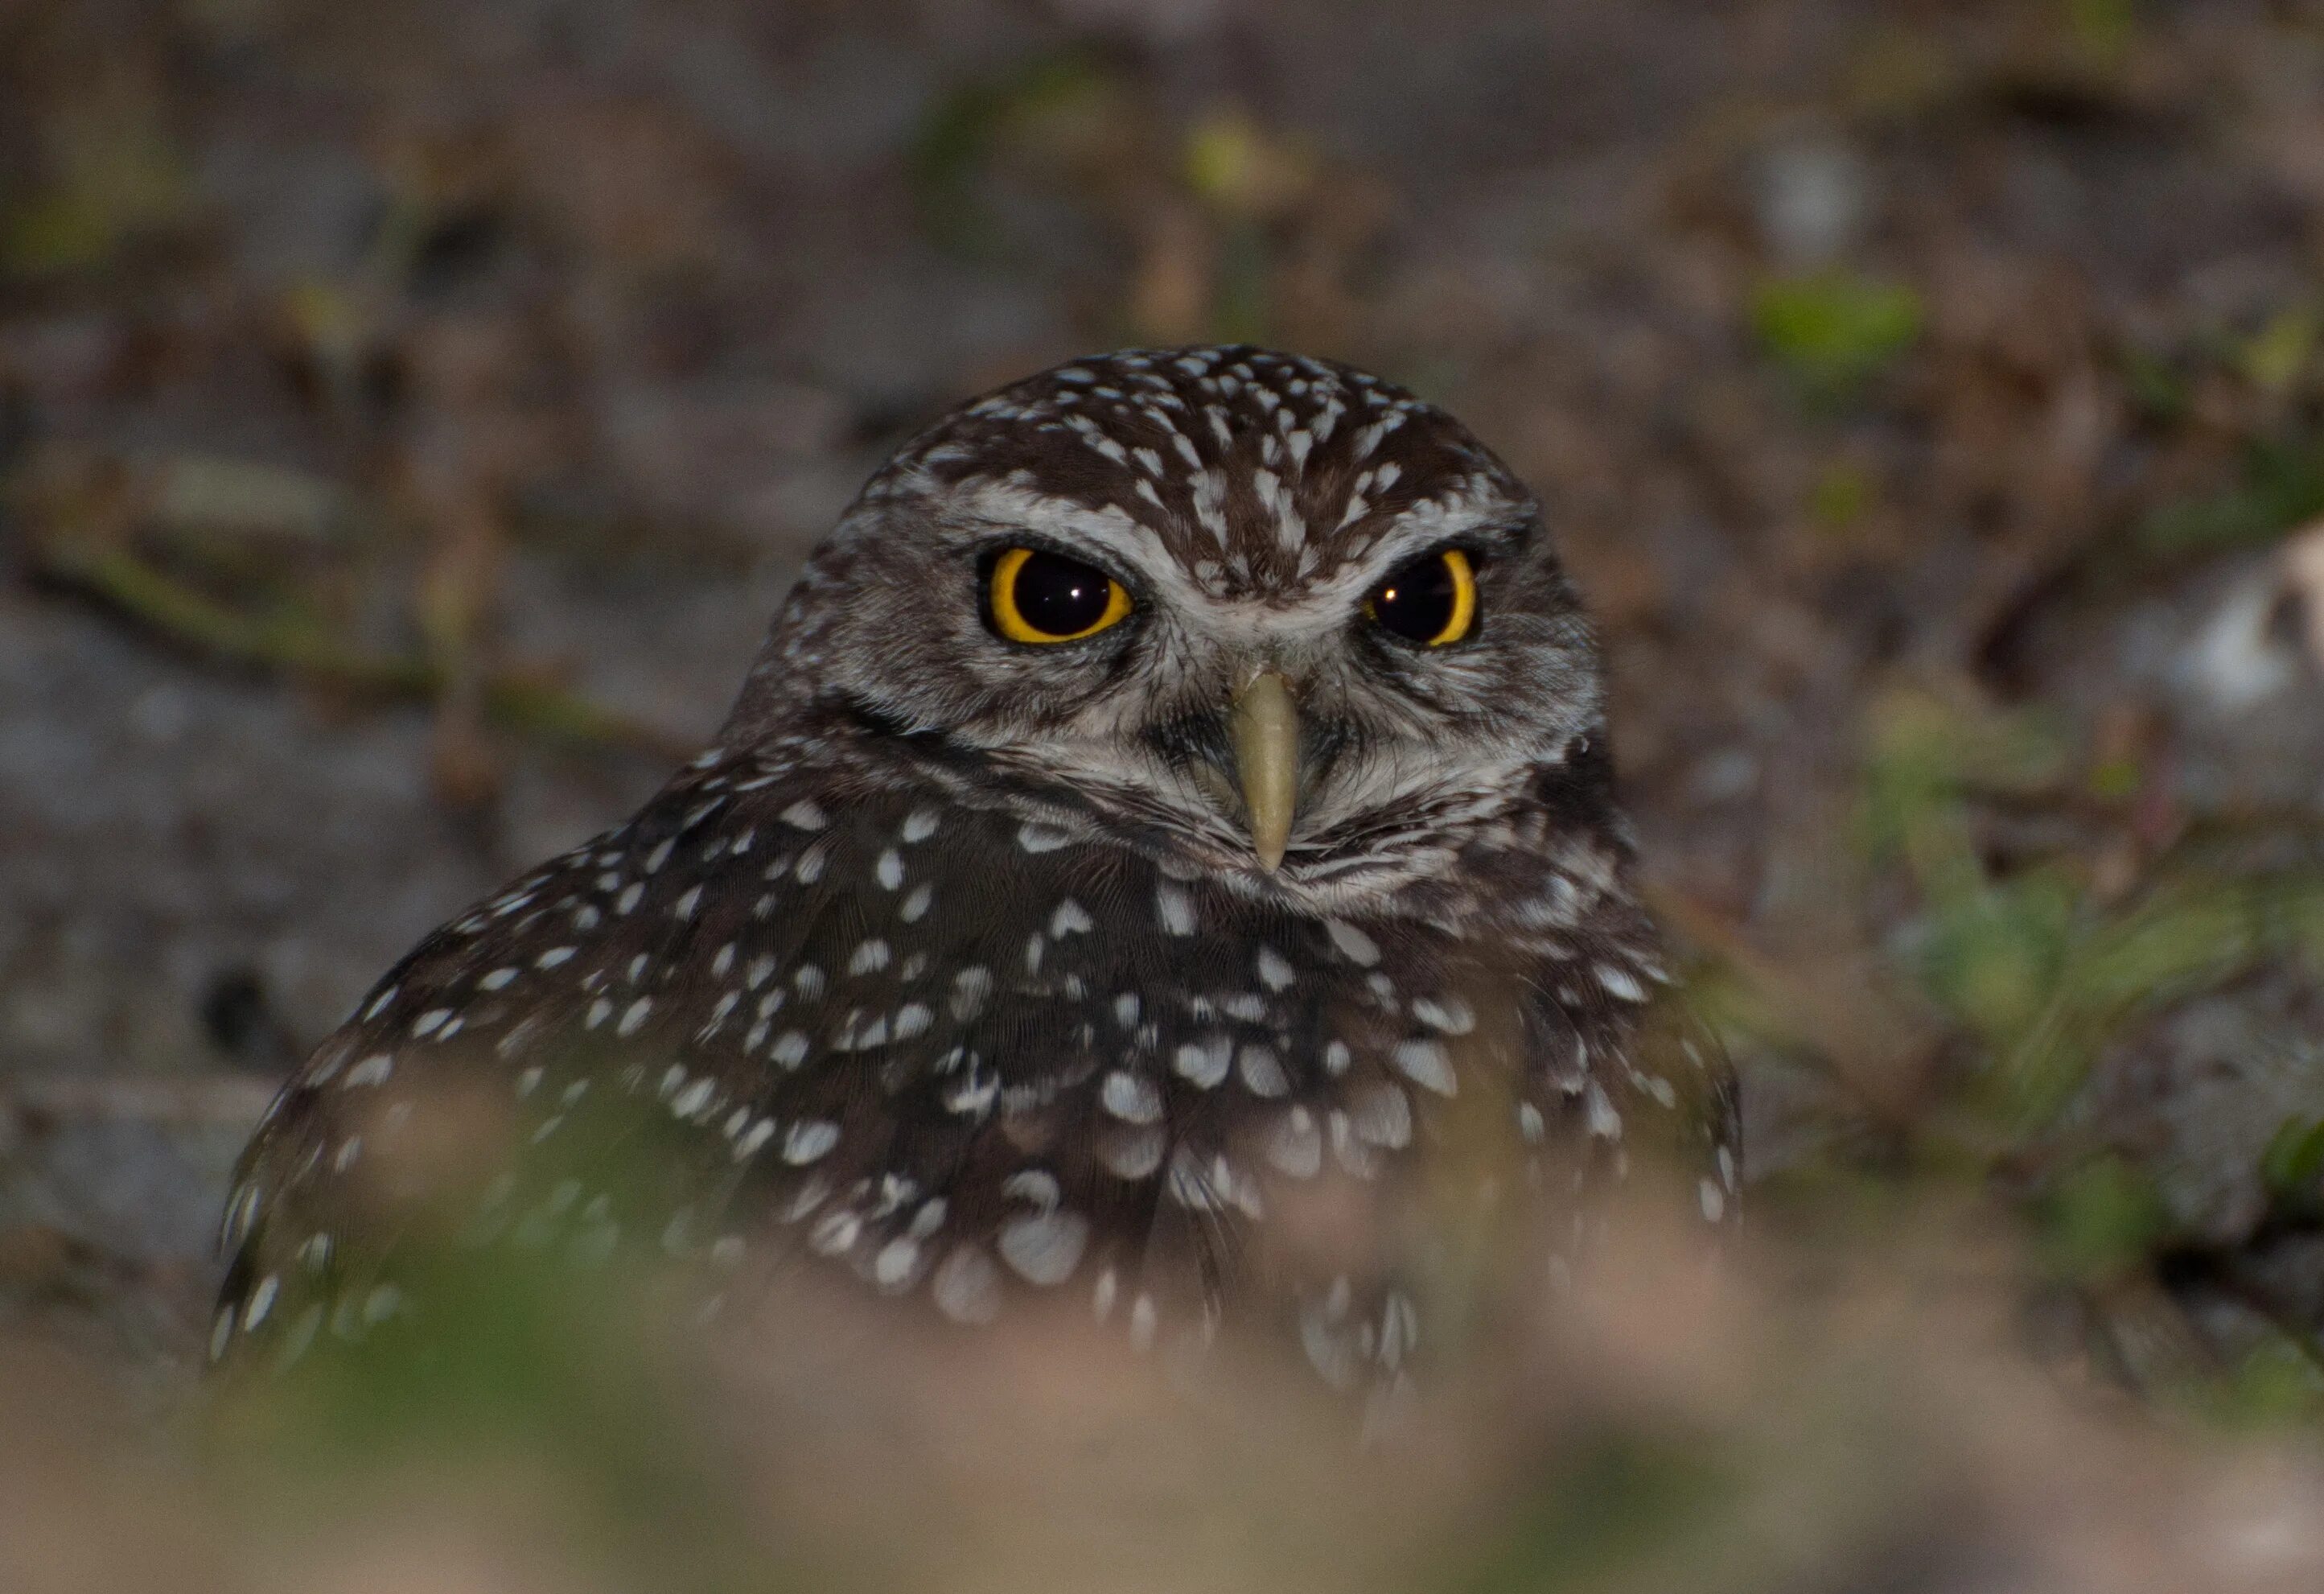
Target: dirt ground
410,415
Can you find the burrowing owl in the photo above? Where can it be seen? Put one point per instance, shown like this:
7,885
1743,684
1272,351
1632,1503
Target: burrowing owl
1177,792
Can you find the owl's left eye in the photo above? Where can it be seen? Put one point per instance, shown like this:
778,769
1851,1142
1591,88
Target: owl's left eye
1432,601
1039,597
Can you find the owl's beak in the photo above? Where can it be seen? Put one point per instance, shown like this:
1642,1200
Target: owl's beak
1266,726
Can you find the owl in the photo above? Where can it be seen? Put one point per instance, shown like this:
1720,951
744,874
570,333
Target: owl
1172,813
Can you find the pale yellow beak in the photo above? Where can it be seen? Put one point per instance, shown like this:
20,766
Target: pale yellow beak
1267,762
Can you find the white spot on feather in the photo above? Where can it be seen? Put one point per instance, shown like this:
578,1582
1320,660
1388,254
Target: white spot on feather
1044,1248
1262,1072
967,1286
372,1070
1426,1064
1450,1014
1176,909
1132,1098
809,1141
1203,1063
1296,1146
1354,945
1619,984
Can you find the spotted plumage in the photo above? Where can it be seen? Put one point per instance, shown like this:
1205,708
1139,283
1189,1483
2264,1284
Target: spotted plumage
960,964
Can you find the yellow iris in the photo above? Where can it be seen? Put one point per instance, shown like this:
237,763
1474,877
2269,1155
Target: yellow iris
1040,596
1464,599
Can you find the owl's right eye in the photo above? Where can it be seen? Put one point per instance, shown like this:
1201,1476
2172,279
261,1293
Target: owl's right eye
1038,596
1432,601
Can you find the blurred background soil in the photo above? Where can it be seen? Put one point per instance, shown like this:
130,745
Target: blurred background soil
409,416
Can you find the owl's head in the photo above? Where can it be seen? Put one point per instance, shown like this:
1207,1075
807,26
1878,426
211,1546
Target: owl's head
1270,615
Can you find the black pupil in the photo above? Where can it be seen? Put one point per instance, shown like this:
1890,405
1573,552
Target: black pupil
1059,596
1416,603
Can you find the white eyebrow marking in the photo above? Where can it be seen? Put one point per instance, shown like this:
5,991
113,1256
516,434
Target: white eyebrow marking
1467,506
1005,507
